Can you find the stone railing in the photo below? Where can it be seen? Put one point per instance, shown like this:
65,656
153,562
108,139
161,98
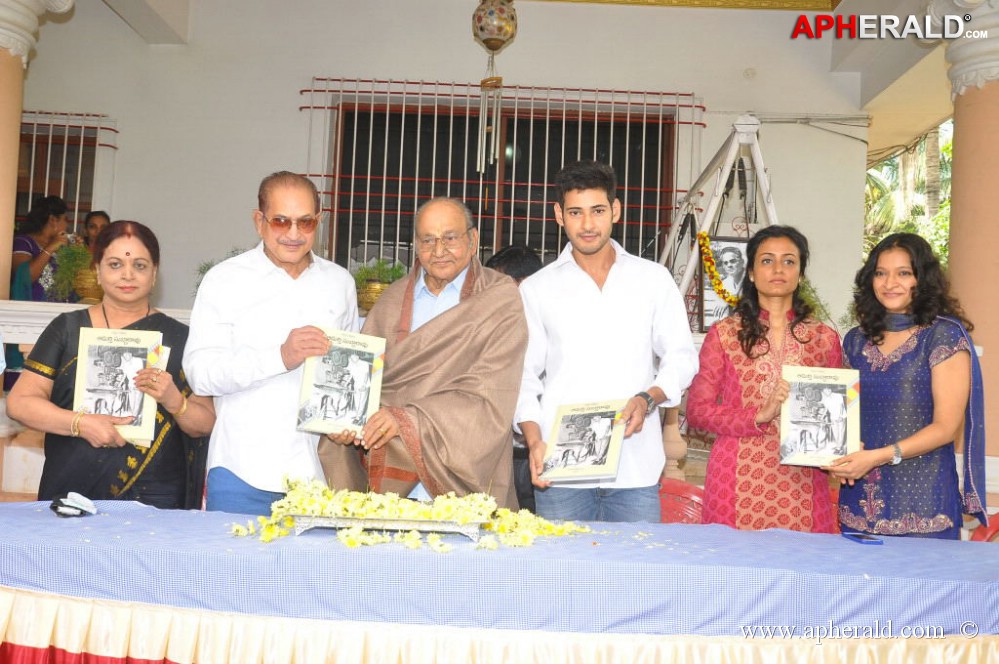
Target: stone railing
23,322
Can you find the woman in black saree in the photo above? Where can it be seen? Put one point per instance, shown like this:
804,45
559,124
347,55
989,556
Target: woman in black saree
84,452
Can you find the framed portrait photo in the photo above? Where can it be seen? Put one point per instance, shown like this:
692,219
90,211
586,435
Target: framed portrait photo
730,261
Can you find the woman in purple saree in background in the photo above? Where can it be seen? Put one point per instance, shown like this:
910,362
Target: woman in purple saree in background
919,379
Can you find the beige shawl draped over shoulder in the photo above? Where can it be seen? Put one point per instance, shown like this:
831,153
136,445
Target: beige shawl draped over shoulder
452,385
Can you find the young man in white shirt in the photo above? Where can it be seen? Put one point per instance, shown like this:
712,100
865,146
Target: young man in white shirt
253,324
602,325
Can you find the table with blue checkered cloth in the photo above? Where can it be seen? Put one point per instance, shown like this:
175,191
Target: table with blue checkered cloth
627,578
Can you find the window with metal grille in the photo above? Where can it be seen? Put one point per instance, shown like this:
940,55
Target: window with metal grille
380,148
69,155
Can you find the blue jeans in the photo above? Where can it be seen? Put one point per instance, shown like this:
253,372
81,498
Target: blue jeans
228,493
638,504
420,492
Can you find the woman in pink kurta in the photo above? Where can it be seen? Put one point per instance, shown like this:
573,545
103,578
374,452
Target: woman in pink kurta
738,392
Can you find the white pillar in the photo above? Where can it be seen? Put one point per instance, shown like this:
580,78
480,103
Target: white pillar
18,25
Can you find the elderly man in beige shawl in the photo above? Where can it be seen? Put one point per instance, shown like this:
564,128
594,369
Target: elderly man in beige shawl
455,339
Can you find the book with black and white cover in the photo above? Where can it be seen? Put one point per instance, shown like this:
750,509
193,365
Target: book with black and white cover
585,442
342,389
107,361
820,420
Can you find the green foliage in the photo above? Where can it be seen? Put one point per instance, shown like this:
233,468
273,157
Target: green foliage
381,270
71,258
819,308
887,210
204,266
937,233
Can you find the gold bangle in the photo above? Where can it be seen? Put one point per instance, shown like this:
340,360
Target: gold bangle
74,426
182,409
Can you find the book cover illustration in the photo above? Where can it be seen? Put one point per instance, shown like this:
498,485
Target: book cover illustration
107,361
342,389
820,420
585,442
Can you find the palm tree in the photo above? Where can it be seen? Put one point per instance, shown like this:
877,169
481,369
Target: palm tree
911,192
879,206
932,162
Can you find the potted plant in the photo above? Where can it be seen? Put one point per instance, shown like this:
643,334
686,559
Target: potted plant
74,274
372,279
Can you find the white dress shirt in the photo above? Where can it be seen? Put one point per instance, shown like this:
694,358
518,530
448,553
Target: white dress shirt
244,310
593,344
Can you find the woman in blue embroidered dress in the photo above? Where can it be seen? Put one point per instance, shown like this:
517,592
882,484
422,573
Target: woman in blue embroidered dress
919,381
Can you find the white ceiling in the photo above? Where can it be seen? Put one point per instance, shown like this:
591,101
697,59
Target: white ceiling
903,86
156,21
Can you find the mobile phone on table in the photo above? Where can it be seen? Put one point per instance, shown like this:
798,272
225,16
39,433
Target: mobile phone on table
863,538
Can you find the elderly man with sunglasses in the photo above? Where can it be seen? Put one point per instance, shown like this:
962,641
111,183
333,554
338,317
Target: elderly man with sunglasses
253,324
455,339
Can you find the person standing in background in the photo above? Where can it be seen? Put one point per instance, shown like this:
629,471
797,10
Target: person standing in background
92,225
519,262
37,240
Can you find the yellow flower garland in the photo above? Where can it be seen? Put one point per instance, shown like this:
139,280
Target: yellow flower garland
315,499
708,260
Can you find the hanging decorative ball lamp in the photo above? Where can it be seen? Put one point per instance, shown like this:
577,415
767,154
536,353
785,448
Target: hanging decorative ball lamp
494,23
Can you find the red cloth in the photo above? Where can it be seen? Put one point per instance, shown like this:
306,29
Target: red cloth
15,654
745,486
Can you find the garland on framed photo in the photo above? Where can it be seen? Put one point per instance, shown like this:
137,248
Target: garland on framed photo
711,270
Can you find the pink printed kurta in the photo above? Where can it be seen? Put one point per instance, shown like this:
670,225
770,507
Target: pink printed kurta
746,487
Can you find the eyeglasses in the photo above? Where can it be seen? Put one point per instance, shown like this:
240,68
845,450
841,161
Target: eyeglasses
304,224
449,240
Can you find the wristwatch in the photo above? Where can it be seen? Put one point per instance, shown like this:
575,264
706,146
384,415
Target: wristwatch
896,455
649,401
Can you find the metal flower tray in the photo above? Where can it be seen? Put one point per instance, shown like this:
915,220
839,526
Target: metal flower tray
472,530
